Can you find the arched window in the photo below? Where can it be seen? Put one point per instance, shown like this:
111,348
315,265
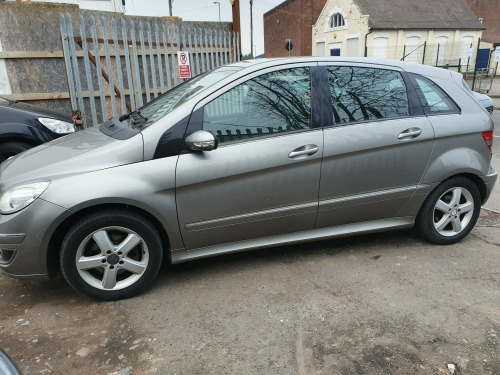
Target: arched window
337,20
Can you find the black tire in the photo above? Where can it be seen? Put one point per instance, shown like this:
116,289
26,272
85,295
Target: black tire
439,217
133,270
9,149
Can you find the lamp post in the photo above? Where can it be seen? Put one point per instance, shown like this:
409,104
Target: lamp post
251,30
218,3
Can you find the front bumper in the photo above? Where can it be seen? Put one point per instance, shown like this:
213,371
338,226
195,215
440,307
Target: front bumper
25,236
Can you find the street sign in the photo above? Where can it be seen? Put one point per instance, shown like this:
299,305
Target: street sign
288,45
184,67
497,54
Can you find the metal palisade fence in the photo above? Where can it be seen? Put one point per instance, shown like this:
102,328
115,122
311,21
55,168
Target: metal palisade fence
115,66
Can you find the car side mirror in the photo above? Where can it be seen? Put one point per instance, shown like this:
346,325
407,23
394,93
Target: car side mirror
201,140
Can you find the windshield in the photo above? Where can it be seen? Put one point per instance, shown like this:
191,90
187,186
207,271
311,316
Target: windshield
166,103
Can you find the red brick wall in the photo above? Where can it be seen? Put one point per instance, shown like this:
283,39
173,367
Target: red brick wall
293,20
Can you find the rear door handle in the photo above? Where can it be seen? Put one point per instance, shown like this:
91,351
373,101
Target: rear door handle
303,152
410,133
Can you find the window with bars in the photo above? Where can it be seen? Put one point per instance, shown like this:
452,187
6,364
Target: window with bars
337,20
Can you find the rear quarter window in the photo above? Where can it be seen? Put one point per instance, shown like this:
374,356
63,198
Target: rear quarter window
433,98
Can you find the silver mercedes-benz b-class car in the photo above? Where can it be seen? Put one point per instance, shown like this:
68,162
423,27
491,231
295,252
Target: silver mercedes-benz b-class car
251,155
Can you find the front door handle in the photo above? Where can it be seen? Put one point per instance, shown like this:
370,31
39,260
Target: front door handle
410,133
303,152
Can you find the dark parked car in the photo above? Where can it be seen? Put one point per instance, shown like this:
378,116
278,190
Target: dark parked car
24,126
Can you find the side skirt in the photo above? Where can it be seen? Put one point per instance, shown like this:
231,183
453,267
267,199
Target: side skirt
293,238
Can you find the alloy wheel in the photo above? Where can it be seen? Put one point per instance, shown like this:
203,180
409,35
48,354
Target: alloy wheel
112,258
453,211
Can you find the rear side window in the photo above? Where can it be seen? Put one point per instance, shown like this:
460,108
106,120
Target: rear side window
267,105
434,100
361,94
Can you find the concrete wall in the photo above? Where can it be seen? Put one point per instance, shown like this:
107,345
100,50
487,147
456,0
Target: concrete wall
293,20
101,5
32,26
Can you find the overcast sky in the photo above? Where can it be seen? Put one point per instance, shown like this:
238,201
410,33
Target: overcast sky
206,10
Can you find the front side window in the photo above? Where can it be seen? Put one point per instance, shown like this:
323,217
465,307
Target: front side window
433,98
167,102
270,104
361,94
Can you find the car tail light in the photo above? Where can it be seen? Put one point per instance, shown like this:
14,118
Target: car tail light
488,138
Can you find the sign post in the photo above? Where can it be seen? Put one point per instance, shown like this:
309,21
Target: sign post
184,67
288,46
497,59
470,52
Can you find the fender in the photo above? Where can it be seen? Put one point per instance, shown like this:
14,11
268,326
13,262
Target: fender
456,161
29,133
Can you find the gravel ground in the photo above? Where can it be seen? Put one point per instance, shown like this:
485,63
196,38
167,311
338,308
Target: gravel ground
387,303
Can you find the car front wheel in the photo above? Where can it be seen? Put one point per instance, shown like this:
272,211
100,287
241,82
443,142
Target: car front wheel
449,212
111,255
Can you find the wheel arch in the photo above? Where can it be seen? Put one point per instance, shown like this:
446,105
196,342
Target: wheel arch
474,178
479,183
22,132
55,242
19,138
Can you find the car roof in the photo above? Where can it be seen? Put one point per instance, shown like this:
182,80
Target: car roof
426,70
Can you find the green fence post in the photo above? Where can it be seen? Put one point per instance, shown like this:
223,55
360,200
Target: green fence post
404,52
423,57
460,65
475,65
437,56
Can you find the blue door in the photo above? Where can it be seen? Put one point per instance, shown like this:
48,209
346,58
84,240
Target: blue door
335,52
483,58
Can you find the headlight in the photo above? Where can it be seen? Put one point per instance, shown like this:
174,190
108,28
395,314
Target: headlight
21,196
57,126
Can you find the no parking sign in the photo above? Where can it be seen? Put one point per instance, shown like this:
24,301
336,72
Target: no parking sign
184,68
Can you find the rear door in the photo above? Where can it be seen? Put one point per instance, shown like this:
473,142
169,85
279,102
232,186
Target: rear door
377,145
263,179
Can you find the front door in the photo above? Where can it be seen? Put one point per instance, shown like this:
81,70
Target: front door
263,179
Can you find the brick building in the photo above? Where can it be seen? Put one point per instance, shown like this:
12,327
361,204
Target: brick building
292,19
489,12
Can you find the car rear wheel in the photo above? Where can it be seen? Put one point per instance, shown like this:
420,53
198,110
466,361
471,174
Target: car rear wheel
9,149
111,255
449,212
